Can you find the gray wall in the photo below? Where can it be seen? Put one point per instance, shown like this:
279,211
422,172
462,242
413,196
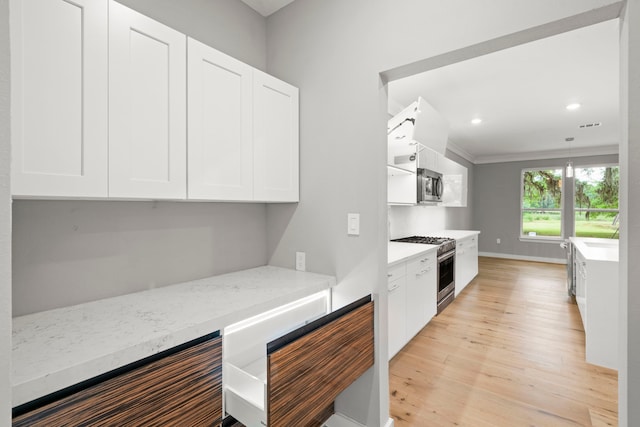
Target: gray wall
334,50
420,220
497,206
5,221
227,25
68,252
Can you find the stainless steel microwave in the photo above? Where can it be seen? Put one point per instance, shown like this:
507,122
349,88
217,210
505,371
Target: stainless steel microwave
430,186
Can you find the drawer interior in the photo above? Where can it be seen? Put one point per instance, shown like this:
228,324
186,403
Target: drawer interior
245,355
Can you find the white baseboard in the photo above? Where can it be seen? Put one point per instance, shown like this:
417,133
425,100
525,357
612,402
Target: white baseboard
523,257
389,423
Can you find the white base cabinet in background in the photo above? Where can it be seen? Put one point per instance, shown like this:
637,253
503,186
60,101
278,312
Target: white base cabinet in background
412,300
59,98
421,292
466,262
397,303
597,296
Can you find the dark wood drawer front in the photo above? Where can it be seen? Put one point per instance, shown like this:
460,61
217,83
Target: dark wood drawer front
306,375
181,389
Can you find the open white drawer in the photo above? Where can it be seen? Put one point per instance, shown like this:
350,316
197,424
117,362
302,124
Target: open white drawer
270,361
245,355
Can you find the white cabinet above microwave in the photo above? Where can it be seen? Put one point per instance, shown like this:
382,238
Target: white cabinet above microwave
419,123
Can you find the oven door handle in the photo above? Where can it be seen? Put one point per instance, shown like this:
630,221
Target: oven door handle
446,256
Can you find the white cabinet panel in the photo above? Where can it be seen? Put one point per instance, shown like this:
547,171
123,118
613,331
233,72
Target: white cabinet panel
421,293
402,187
275,139
466,262
147,107
59,99
397,315
220,160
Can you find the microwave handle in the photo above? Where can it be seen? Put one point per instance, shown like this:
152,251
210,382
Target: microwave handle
440,188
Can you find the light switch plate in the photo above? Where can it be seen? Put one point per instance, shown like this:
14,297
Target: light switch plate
353,224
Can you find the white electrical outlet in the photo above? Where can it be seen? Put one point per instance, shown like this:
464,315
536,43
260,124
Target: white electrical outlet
498,241
301,261
353,224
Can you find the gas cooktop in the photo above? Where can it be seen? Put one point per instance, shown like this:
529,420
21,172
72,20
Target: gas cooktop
446,244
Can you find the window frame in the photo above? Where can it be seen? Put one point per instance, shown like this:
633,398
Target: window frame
546,239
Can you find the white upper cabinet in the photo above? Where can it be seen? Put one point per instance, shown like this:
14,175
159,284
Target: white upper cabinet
147,107
99,110
220,152
275,139
59,98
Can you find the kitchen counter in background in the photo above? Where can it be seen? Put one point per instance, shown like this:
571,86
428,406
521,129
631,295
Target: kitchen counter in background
594,249
58,348
454,234
398,252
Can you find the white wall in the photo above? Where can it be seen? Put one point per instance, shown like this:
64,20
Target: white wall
5,221
629,372
334,50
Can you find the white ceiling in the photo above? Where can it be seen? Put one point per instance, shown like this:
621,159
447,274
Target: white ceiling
521,93
267,7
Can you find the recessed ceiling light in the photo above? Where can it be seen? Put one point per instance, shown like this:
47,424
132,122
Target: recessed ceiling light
573,106
476,121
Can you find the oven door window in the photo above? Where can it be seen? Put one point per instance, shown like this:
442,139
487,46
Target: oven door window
446,269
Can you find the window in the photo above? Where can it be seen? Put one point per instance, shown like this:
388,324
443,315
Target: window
596,201
541,205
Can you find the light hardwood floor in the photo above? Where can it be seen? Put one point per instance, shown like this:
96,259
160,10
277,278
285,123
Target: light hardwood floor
509,351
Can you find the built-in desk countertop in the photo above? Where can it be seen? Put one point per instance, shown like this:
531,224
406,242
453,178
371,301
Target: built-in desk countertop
62,347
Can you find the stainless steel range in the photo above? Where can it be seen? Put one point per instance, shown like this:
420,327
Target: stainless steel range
446,266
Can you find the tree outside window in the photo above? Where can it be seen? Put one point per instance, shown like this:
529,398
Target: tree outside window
541,207
596,201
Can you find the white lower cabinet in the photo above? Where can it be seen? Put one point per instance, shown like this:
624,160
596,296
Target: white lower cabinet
466,261
271,359
397,303
412,298
597,296
421,293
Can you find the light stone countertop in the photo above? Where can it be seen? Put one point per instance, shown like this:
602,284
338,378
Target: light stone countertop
58,348
398,252
595,249
455,234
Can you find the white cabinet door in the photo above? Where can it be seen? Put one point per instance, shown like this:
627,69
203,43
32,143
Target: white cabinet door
402,187
466,262
147,107
275,139
59,99
397,315
421,292
220,152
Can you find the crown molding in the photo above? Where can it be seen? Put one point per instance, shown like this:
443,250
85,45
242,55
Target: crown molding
460,152
549,154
